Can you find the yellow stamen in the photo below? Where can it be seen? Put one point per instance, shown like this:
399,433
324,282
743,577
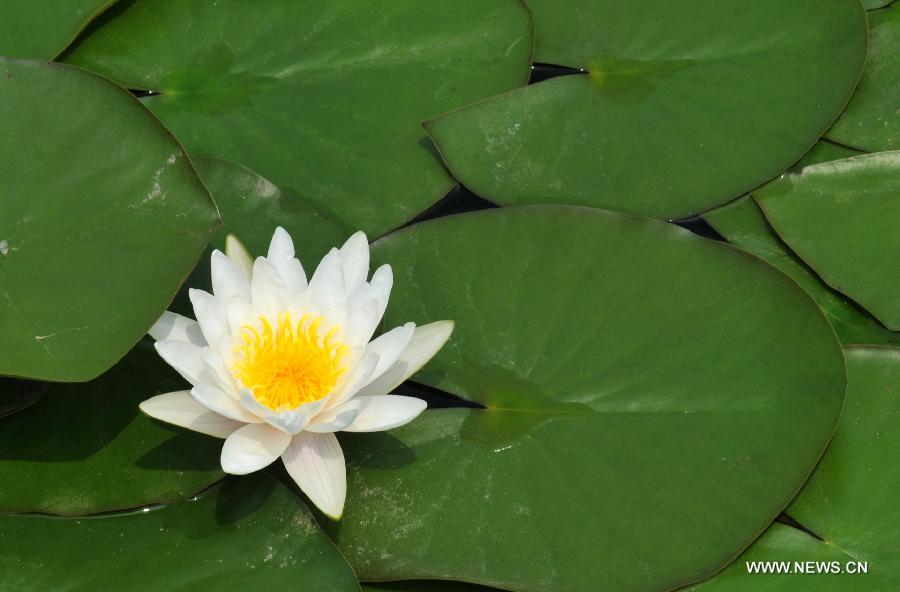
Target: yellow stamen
290,364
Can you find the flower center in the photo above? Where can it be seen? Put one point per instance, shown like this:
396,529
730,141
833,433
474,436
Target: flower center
289,364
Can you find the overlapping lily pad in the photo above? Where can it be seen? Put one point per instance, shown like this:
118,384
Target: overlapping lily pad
841,218
684,106
102,217
850,502
41,30
246,534
86,448
323,98
620,360
872,118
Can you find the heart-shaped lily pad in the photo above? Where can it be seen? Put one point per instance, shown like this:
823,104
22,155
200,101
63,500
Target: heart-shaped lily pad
86,448
101,218
41,30
849,503
323,98
683,106
872,118
247,534
619,359
840,217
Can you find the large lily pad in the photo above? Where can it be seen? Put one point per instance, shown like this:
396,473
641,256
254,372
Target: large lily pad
850,502
102,217
41,30
86,448
619,360
872,118
840,218
745,226
425,586
247,534
323,98
684,106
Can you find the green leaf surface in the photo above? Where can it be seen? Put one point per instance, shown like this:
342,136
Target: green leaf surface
39,29
876,4
619,359
424,586
86,448
248,534
841,218
825,151
745,226
323,98
850,501
101,218
685,105
872,119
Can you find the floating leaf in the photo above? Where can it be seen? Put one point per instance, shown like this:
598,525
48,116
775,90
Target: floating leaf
246,534
840,218
825,151
872,119
323,98
850,502
684,106
619,359
101,217
41,30
425,586
86,448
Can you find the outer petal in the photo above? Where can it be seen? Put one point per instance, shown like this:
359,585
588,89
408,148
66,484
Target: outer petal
253,447
281,256
175,327
362,323
185,357
354,381
222,403
289,422
210,313
237,252
425,342
180,409
228,280
385,412
316,463
336,419
383,281
389,347
355,254
327,283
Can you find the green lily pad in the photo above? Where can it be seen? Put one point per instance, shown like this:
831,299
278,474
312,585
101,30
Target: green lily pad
872,119
103,217
605,400
825,151
41,30
684,106
425,586
840,218
876,4
850,502
326,99
86,448
246,534
743,224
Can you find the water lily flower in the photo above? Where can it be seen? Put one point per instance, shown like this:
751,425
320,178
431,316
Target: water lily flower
278,364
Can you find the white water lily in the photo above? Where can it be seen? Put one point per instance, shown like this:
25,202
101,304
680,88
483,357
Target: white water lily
279,364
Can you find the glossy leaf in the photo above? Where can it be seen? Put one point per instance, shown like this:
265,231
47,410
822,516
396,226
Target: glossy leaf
876,4
679,111
606,399
872,119
323,98
86,448
101,217
840,218
41,30
246,534
743,224
825,151
424,586
850,502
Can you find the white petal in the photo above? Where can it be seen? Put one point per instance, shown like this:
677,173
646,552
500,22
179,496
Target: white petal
362,324
222,403
389,347
180,409
227,280
237,252
290,422
425,342
185,357
281,256
327,283
175,327
239,314
210,313
355,253
269,294
383,281
217,372
253,447
385,412
353,381
282,246
316,463
336,419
